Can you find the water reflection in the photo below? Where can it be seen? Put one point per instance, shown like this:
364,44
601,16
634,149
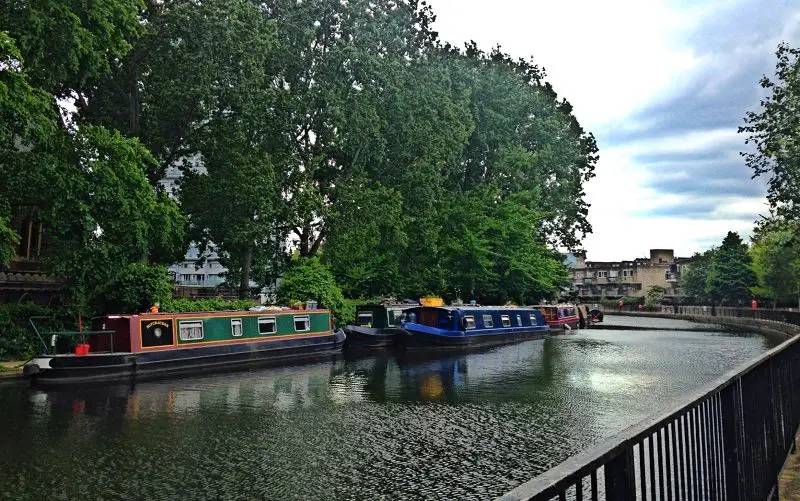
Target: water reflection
443,426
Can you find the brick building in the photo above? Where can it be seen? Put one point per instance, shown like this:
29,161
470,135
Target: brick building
614,279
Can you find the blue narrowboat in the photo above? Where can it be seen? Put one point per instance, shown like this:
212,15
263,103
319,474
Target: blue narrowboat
468,326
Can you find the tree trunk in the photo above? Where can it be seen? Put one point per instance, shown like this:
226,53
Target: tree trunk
304,236
244,285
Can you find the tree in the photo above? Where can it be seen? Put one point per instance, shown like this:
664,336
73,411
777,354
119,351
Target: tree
196,90
775,133
86,183
730,276
695,276
366,240
655,295
776,262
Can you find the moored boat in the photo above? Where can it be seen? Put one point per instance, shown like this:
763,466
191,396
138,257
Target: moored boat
157,344
371,328
468,326
560,317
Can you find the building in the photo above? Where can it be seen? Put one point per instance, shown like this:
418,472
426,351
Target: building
23,278
633,278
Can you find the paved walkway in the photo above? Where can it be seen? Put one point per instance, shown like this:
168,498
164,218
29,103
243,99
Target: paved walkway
789,481
10,369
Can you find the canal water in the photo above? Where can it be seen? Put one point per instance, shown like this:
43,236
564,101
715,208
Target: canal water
438,427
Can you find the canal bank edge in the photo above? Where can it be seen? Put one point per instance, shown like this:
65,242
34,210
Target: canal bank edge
774,331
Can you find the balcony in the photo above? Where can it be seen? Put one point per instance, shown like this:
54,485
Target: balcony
671,277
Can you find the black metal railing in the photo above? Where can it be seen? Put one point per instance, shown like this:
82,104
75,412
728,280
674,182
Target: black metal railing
727,441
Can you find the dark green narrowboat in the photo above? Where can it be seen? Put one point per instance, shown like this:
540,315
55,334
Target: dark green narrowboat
372,321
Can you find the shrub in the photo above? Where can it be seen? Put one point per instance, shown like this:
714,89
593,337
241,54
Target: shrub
184,305
308,279
139,286
17,339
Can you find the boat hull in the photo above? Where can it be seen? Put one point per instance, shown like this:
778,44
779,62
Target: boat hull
414,337
70,369
368,338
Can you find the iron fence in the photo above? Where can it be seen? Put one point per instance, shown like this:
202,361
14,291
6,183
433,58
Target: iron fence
728,441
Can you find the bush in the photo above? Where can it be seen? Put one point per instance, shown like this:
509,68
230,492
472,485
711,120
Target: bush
183,305
17,339
308,279
139,286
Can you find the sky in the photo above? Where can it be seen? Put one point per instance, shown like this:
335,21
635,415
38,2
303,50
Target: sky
663,85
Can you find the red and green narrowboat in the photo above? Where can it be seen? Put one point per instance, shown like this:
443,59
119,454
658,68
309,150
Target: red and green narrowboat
560,317
157,344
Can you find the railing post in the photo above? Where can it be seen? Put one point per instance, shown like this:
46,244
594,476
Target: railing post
620,477
730,442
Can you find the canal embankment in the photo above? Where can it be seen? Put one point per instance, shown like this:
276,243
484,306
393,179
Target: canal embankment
776,325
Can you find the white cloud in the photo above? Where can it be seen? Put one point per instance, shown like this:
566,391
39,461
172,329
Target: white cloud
612,60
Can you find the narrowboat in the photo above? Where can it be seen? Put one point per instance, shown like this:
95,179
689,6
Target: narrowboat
560,317
370,330
467,326
150,345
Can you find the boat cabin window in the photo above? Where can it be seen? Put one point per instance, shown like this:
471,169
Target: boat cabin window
506,320
266,325
534,320
364,319
487,321
190,330
236,327
302,323
469,322
519,320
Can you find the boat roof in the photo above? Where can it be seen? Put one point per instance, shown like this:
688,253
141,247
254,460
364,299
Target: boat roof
481,308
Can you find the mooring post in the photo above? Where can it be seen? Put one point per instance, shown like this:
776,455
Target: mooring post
620,477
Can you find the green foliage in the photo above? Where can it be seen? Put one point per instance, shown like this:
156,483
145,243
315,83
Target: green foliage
137,287
695,276
185,305
655,295
776,262
308,278
67,45
730,276
17,339
367,239
106,216
775,133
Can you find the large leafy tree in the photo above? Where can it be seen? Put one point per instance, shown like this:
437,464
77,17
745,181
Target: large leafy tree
197,90
730,276
85,182
776,261
695,275
774,132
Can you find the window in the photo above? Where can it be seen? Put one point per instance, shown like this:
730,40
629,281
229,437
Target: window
487,321
236,327
266,325
364,319
533,319
506,320
519,320
190,330
469,322
602,274
302,323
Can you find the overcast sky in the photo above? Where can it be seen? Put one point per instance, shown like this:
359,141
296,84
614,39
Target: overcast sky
663,85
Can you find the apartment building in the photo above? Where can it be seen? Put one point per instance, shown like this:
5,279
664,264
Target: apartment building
613,279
